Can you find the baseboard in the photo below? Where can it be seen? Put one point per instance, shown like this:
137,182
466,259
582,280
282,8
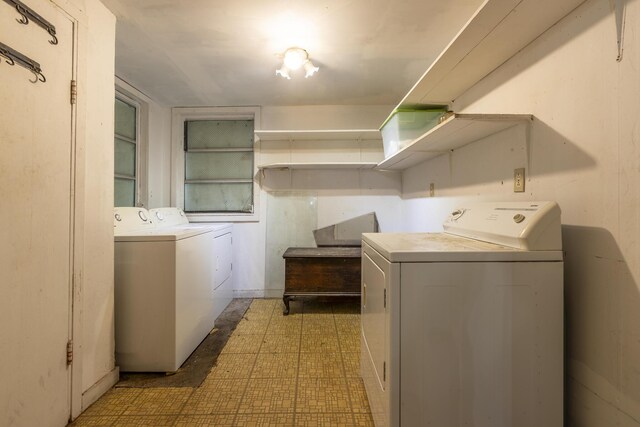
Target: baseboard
273,293
103,385
256,293
248,293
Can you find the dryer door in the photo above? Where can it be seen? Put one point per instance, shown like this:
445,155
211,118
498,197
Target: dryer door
378,363
374,292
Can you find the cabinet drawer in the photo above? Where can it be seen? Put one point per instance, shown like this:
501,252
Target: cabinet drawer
320,275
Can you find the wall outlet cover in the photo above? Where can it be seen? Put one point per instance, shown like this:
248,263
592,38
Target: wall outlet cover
518,180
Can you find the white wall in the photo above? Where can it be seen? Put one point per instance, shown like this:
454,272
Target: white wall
97,329
159,155
96,106
339,194
583,154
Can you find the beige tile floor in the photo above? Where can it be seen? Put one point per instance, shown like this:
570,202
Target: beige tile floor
275,370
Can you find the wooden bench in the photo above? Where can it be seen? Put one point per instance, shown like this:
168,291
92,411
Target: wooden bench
326,271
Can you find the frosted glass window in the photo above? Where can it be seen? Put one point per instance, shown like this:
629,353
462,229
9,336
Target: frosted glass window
125,119
236,197
125,192
125,153
219,134
218,166
125,158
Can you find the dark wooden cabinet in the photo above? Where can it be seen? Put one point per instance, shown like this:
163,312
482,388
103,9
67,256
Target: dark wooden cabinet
328,271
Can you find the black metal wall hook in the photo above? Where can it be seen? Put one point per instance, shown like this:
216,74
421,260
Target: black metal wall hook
14,57
27,14
9,60
24,19
38,77
52,33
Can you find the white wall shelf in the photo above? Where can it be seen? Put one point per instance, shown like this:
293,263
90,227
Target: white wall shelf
318,135
455,132
320,165
320,149
498,30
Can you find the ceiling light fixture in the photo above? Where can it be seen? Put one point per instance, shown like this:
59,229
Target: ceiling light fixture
293,59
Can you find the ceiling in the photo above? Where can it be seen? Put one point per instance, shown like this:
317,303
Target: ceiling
211,52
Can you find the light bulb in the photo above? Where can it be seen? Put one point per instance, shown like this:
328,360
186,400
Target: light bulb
294,58
310,69
284,72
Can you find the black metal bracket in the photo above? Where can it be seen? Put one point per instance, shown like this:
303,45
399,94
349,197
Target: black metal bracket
14,57
29,14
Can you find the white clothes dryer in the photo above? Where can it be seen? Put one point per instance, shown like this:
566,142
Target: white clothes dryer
465,327
222,258
164,302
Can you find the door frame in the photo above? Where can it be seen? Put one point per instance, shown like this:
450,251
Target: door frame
78,20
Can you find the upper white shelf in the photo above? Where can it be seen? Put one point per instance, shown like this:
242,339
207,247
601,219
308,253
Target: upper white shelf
497,31
318,135
455,132
320,165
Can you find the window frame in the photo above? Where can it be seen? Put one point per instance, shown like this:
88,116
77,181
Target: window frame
142,108
182,114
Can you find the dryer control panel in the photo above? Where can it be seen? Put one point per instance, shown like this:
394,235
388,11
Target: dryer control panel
523,225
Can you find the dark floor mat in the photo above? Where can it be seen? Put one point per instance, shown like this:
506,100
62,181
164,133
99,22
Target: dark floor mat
195,369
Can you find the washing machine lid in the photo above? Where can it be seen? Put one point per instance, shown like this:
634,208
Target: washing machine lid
444,247
500,231
162,234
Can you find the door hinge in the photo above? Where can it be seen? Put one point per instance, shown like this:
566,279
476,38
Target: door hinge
74,92
384,371
69,352
385,298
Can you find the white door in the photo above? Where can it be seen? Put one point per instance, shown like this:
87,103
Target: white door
36,181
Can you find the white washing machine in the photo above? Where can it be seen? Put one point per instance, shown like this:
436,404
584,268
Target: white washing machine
222,258
164,302
465,327
171,216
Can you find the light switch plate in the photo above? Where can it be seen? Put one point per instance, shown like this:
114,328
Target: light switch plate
518,180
